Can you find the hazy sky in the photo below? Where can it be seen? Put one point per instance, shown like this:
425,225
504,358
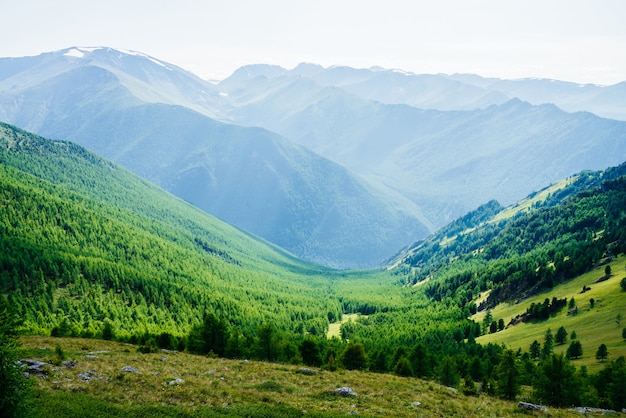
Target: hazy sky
575,40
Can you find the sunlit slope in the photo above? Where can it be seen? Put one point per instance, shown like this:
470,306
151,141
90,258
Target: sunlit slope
600,323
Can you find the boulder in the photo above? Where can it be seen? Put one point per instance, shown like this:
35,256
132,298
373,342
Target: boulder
307,371
345,391
176,381
88,376
527,406
130,369
35,366
69,364
589,410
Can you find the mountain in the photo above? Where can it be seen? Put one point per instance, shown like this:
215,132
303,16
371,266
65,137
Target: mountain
553,260
339,165
153,118
550,237
449,92
443,163
603,101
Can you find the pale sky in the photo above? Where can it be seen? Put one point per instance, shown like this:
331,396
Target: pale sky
574,40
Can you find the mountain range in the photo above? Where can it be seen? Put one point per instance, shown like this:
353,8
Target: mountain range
340,166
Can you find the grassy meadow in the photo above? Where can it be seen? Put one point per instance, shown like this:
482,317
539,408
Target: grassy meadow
601,324
219,387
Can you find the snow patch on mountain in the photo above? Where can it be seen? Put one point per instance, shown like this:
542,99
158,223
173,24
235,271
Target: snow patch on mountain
79,52
142,55
74,52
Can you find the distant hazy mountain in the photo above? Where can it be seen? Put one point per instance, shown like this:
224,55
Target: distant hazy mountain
448,92
605,101
152,118
444,162
339,165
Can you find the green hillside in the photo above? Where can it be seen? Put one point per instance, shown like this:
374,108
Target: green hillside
600,323
85,241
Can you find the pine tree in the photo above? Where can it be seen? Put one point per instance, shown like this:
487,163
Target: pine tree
561,336
535,349
14,386
420,360
558,384
403,367
379,362
209,336
508,375
469,386
617,386
354,357
487,320
547,344
602,353
267,342
107,330
575,350
448,373
310,353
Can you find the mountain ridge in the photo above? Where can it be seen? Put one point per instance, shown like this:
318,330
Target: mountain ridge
179,148
414,169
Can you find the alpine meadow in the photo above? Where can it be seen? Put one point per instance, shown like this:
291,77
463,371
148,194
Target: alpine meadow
308,241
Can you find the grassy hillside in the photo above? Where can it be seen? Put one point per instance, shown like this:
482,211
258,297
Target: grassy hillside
601,324
219,387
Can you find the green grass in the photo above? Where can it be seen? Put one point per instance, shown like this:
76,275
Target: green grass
219,387
334,329
593,326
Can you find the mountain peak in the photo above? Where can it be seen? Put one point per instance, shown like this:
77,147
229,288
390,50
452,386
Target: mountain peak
248,72
110,54
307,69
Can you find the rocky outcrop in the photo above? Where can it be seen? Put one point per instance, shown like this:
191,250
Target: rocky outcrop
35,367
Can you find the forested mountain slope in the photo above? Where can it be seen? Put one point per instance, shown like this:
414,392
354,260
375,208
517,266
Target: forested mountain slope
554,235
85,241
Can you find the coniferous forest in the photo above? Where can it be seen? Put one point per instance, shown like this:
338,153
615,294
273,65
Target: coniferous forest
90,250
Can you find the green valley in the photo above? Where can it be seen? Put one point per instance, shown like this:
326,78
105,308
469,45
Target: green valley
94,258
